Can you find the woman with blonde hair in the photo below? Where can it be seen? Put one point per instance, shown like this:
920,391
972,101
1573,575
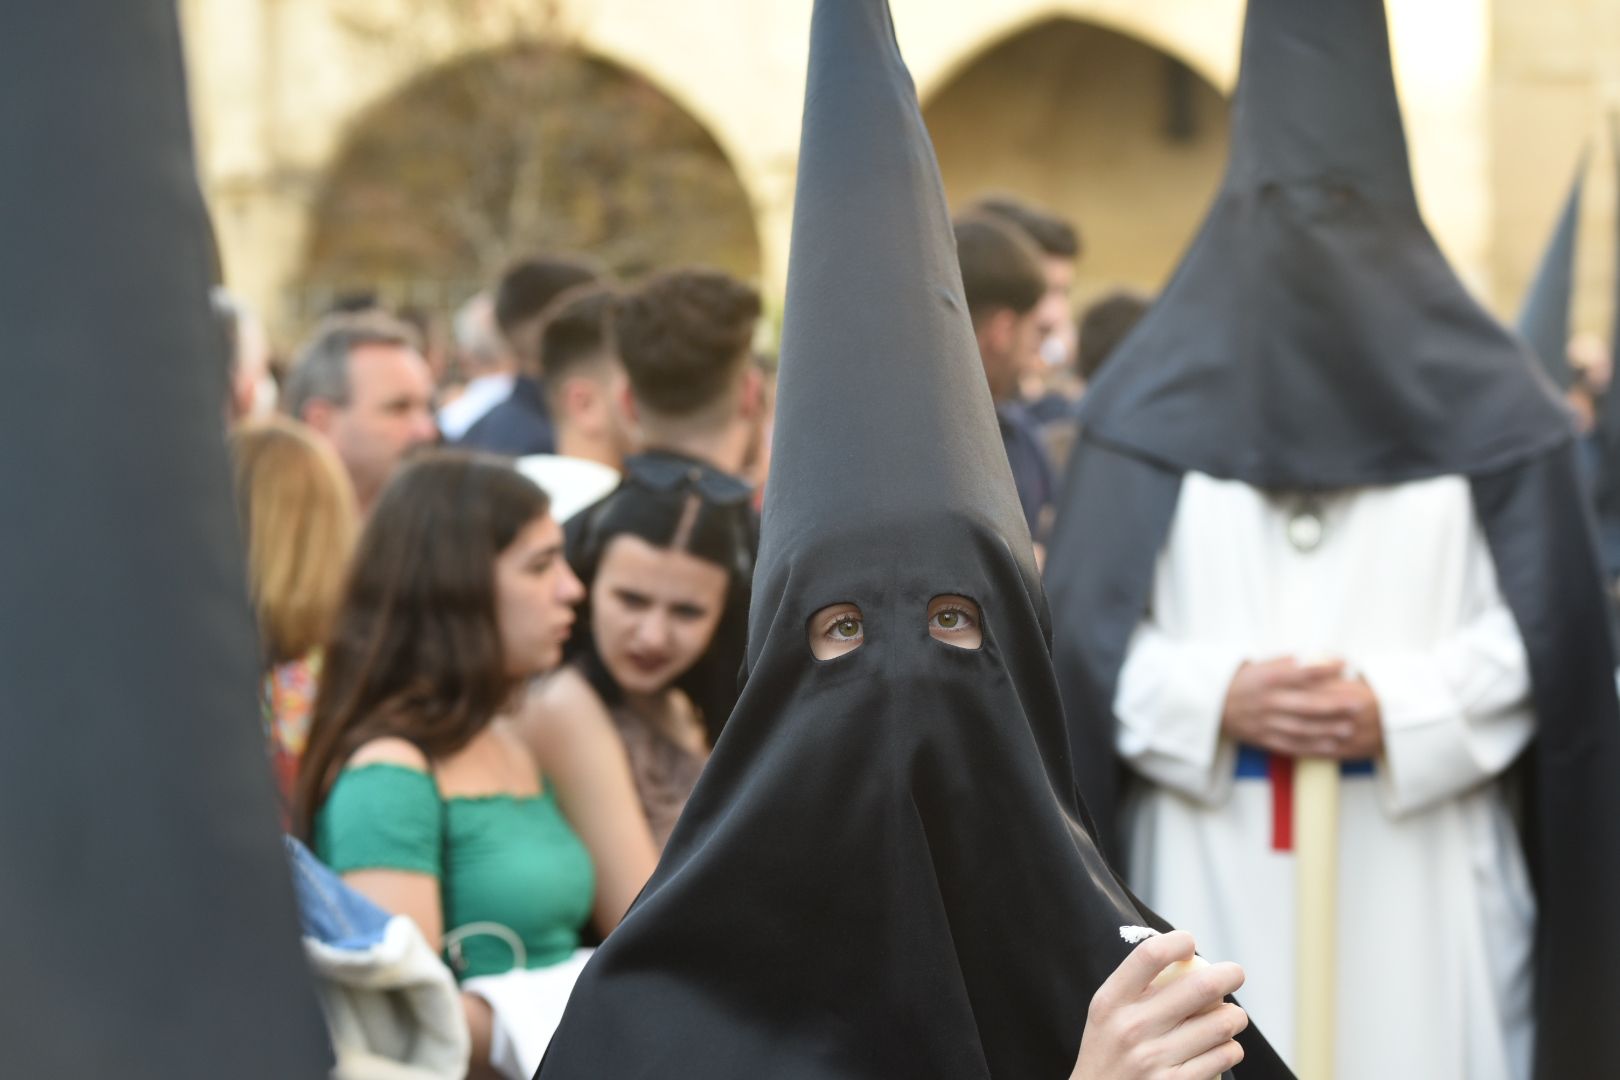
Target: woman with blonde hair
300,522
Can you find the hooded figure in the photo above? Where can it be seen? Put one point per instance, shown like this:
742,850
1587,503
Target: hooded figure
1324,504
1608,418
881,873
1544,319
149,919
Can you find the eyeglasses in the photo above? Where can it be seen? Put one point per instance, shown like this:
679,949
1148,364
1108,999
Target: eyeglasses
668,474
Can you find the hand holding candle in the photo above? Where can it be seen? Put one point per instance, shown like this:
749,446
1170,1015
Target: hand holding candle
1133,935
1163,1008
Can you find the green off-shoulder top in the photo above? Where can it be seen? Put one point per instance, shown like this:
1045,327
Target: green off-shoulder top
514,878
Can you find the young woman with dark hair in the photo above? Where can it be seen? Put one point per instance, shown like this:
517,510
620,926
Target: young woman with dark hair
417,788
667,557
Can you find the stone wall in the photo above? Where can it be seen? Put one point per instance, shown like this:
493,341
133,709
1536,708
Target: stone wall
1555,73
1498,95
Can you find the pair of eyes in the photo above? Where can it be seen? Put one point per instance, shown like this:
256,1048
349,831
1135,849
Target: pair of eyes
840,628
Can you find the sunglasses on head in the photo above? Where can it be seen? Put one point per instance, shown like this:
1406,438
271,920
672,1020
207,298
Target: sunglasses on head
667,474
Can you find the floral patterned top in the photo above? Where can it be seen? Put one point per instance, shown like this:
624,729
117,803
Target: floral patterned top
664,771
287,700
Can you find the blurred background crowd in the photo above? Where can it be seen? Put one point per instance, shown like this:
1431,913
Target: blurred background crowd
459,237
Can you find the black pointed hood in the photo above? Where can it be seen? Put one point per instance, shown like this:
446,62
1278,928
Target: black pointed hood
1314,336
1608,423
883,410
881,872
1614,325
149,922
1544,319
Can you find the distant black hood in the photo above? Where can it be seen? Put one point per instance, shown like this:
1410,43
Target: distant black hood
1314,337
1608,424
1544,318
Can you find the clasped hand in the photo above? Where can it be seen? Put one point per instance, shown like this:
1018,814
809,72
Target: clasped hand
1303,710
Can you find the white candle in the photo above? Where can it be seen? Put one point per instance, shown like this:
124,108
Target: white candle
1133,935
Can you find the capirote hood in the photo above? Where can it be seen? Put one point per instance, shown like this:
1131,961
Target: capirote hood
884,870
1314,337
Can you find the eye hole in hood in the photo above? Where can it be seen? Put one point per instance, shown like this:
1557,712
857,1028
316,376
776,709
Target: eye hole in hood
836,630
956,621
839,629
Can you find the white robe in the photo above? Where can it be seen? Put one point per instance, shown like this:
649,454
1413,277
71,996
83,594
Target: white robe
1435,907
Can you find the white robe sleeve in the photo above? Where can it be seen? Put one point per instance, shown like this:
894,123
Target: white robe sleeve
1459,713
1169,702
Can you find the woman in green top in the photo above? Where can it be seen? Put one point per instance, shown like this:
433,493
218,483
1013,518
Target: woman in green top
416,786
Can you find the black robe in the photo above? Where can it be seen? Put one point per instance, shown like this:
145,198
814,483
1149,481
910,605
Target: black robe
149,927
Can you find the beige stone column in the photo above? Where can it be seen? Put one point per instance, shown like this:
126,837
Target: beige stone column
1441,51
1555,75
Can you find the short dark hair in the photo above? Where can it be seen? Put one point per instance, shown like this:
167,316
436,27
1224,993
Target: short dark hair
683,336
1001,267
1104,324
1052,234
527,287
577,329
353,302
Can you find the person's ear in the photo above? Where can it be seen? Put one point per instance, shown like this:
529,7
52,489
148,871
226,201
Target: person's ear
1002,330
243,390
621,411
320,414
989,327
751,402
578,400
627,402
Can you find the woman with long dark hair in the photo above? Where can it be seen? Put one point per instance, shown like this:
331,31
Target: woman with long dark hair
666,556
417,788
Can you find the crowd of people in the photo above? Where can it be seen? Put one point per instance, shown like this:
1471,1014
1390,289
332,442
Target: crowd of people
503,600
679,719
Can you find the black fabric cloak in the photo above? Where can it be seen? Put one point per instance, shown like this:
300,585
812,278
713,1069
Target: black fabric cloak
148,916
1315,339
882,872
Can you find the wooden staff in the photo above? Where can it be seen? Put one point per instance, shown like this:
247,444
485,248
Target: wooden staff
1316,847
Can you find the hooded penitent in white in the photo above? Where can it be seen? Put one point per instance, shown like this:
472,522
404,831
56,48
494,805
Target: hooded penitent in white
1317,443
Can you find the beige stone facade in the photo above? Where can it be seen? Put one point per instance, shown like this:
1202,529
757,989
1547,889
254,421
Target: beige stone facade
1064,100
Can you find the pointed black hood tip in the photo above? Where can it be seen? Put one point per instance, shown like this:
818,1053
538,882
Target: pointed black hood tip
1314,336
1544,318
884,415
1608,423
1614,326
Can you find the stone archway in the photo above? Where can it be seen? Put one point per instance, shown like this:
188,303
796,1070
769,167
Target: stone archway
503,152
1125,140
278,85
